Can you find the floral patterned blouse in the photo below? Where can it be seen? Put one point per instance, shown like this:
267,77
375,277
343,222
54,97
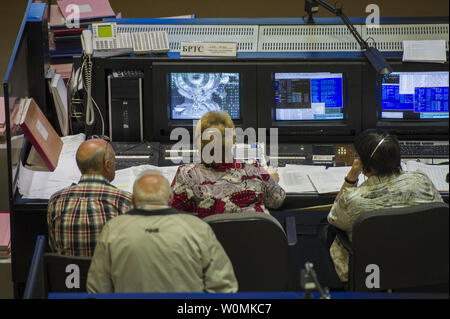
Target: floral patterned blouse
209,189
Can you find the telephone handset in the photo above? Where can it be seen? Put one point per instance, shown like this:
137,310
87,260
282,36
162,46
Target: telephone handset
86,42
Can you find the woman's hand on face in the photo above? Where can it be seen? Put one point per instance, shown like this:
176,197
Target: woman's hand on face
273,173
356,169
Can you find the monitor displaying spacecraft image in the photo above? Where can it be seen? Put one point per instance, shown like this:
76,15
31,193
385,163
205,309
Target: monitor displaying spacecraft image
194,94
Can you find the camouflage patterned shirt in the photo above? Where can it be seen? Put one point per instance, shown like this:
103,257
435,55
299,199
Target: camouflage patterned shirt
403,190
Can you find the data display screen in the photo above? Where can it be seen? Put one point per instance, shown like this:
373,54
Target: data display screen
415,95
194,94
104,31
309,96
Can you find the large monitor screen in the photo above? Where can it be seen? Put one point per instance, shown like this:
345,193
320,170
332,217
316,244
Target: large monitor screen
309,96
414,95
194,94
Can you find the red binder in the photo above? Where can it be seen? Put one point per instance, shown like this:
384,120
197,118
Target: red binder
2,115
40,132
88,9
5,236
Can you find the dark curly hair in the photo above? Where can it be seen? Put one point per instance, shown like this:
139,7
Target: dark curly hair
379,151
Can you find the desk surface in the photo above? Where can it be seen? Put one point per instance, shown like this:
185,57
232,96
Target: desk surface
292,201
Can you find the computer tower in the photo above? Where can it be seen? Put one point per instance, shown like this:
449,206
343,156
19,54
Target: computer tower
125,106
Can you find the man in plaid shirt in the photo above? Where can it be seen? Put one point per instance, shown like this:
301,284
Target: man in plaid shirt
77,214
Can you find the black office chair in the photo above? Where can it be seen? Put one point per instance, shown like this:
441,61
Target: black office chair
409,245
35,287
257,247
51,272
66,273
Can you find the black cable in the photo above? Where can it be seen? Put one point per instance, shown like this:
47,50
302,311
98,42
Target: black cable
338,12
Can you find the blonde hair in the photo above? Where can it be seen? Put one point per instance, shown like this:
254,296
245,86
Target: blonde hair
218,122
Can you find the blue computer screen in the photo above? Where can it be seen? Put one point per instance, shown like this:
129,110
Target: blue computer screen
308,96
194,94
415,95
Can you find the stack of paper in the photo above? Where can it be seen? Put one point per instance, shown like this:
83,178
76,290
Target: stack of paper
88,9
432,51
60,99
42,185
64,69
64,35
312,178
437,173
2,119
294,178
125,178
5,236
330,180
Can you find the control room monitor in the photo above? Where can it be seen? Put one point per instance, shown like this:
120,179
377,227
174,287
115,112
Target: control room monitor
183,92
194,94
308,96
415,96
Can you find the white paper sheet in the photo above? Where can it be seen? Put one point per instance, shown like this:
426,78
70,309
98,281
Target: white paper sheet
125,178
437,173
330,180
424,51
43,184
294,178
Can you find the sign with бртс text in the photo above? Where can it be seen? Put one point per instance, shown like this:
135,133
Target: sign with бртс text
213,49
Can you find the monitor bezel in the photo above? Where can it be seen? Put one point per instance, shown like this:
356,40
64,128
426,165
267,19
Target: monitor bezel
344,92
312,130
380,110
410,129
162,121
170,105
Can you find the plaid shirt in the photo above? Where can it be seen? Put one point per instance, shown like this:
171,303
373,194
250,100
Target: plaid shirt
77,214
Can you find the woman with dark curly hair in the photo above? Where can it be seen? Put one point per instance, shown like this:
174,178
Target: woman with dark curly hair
386,186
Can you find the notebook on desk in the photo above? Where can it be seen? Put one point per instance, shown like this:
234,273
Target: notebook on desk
2,119
58,21
88,9
5,236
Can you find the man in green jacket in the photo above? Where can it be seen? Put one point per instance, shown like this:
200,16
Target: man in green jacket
155,248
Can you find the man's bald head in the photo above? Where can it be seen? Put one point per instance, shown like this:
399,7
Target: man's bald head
92,156
151,188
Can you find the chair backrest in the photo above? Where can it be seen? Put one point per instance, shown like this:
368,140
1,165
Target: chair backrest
35,287
257,247
66,273
410,247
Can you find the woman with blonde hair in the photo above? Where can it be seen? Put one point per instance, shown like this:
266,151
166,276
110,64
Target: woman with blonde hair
219,184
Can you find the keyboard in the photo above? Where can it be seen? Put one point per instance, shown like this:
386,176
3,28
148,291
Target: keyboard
424,149
134,154
132,148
